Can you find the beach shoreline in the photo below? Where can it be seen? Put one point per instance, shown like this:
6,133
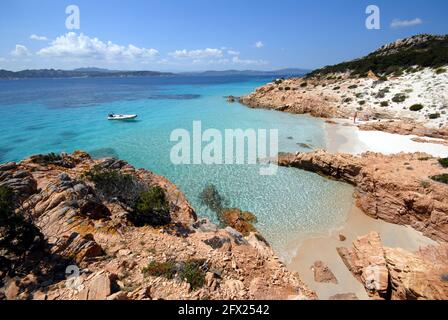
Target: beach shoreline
323,248
342,136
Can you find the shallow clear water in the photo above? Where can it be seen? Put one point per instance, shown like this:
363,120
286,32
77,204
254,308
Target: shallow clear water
53,115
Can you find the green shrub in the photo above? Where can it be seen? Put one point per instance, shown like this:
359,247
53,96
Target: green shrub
336,88
444,162
152,207
17,234
431,53
52,158
440,71
303,84
278,81
399,97
6,201
160,269
434,116
193,274
384,103
362,102
353,86
383,78
416,107
112,183
442,178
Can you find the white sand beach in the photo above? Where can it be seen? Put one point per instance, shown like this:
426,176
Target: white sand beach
347,138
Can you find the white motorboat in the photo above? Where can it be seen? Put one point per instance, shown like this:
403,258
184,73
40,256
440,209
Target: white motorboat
113,116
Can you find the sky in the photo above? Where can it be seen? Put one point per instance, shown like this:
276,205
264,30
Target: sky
198,35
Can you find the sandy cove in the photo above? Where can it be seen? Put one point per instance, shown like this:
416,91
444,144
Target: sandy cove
406,172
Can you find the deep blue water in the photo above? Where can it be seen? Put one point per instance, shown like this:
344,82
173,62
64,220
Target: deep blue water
54,115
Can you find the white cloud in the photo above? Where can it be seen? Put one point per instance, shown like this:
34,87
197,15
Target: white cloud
233,53
197,54
397,23
20,51
259,44
237,60
38,38
73,45
2,59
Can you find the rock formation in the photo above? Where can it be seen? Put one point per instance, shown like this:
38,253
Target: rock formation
396,274
96,247
322,273
396,188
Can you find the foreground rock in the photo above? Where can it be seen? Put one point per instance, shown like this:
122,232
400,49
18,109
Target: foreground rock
396,274
322,273
396,188
96,246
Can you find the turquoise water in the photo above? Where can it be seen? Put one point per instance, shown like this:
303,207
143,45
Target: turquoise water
69,114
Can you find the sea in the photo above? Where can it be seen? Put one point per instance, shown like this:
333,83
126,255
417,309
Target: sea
63,115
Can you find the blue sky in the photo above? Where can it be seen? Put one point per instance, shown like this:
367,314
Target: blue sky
185,35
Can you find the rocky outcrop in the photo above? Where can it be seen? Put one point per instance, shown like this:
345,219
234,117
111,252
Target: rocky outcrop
396,188
94,249
322,273
292,96
396,274
406,127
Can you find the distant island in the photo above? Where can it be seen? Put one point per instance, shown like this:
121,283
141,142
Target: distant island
92,72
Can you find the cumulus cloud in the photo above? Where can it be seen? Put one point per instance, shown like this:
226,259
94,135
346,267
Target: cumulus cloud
259,44
73,45
197,54
38,38
20,51
398,23
233,53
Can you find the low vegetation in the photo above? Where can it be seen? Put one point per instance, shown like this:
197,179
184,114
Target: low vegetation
416,107
433,116
442,178
152,207
399,97
113,184
160,269
18,235
190,271
431,53
444,162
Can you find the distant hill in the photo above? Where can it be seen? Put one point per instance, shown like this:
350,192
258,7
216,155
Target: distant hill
77,73
420,51
92,72
281,72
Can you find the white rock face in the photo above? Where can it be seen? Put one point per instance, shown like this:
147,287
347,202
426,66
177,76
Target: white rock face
427,87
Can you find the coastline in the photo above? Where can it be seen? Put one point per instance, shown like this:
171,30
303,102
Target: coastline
323,248
342,136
